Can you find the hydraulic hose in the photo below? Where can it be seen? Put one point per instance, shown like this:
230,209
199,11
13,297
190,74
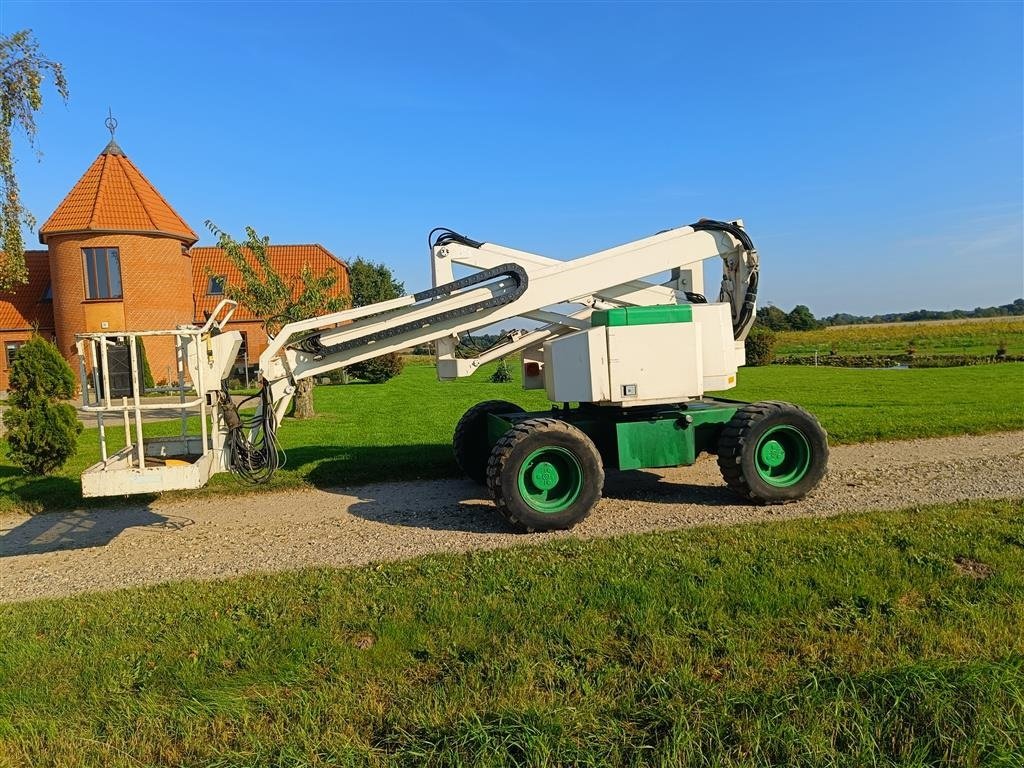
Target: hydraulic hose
746,314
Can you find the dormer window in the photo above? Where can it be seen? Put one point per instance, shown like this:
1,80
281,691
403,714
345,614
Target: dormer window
216,285
102,273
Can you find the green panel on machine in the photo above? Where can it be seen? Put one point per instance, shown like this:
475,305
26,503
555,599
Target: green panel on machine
665,313
661,443
673,440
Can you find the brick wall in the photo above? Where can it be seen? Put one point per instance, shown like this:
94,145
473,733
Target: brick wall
156,278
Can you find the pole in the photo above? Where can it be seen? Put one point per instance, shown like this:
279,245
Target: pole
134,357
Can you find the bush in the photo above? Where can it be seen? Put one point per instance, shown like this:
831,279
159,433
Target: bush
760,346
379,369
147,373
502,374
42,431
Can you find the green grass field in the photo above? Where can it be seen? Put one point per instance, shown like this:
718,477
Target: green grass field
882,639
940,339
402,429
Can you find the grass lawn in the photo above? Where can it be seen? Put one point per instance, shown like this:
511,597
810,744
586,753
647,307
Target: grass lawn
882,639
402,429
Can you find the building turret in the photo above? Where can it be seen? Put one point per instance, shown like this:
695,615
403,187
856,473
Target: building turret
119,258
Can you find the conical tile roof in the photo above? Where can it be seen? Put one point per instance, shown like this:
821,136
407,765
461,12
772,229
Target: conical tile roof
114,196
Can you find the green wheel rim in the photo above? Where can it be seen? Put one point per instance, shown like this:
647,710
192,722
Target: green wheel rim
550,479
782,456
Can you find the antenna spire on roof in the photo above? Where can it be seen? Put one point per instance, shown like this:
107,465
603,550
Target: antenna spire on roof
111,122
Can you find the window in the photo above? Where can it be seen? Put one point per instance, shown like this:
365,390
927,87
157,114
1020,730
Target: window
216,285
102,273
47,294
10,350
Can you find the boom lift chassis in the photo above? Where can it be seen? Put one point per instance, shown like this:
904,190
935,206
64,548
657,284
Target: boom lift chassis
625,334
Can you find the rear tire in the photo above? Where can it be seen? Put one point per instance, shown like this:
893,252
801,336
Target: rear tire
470,443
545,475
773,452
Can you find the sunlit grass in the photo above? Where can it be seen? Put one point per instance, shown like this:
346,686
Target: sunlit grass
880,639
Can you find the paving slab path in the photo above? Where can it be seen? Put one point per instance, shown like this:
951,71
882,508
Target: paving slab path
65,553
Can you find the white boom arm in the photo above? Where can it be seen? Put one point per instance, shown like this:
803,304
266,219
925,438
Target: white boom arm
512,283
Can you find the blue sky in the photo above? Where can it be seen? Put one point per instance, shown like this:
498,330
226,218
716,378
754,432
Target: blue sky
875,151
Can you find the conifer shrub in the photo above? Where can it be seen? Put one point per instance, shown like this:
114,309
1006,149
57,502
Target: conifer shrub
42,431
147,373
502,374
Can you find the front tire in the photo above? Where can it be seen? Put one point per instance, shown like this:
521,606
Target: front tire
772,452
545,475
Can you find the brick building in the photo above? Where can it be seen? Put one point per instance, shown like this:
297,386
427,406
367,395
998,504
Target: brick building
119,257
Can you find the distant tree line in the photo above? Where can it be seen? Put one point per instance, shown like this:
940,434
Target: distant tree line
800,318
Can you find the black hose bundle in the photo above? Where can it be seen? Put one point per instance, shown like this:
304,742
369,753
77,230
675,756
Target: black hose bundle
445,236
746,315
253,450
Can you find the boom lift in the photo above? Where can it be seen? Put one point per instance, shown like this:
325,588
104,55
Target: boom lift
625,357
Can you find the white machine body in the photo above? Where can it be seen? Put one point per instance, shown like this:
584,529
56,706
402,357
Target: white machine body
636,365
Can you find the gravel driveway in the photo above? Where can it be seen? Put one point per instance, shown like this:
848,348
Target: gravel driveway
63,553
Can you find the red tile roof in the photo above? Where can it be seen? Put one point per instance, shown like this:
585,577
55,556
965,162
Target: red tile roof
21,308
114,196
288,260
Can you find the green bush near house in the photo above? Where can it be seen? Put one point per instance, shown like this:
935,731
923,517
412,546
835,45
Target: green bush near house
147,373
379,369
42,432
760,346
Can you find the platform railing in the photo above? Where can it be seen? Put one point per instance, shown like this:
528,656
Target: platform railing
94,369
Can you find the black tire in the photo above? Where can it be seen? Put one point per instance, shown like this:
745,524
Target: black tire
470,443
535,442
748,433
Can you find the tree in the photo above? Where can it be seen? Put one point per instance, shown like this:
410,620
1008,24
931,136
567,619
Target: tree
801,319
22,72
265,293
372,283
773,318
42,431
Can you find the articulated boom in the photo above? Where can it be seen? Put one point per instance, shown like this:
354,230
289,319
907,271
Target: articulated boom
627,354
512,283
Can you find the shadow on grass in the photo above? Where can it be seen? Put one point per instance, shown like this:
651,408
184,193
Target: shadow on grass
36,495
79,529
343,465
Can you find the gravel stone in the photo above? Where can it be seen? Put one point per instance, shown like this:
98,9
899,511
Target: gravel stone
65,553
